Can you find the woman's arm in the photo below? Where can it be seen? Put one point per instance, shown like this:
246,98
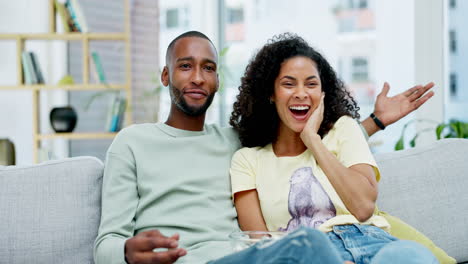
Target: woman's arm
249,213
356,185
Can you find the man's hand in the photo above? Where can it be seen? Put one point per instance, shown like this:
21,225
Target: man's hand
139,249
391,109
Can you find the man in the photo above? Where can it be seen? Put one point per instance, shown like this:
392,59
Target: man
172,178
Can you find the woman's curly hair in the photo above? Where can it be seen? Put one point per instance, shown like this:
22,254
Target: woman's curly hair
256,119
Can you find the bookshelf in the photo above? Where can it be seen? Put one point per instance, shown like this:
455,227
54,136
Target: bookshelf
86,85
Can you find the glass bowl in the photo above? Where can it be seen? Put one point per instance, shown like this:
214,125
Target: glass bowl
243,239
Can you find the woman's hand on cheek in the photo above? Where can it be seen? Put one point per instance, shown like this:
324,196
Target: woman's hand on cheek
313,124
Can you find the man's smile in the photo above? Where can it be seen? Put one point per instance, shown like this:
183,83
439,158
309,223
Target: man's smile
195,93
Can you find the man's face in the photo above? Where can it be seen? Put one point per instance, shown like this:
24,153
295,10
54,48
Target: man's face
191,75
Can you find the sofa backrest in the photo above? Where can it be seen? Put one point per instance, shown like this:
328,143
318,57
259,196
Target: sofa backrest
50,212
427,187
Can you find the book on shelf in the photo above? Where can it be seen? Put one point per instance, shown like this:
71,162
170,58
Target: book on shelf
116,114
28,69
110,109
97,70
77,16
31,68
67,23
37,68
122,108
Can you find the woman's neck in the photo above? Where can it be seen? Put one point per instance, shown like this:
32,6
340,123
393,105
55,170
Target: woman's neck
288,144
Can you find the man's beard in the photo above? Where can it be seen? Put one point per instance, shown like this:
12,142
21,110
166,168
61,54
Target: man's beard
179,101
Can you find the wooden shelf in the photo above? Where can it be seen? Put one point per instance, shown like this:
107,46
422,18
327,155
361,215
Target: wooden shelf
78,87
64,36
86,39
103,135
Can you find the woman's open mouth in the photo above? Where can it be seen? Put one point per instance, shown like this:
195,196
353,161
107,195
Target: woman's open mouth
299,112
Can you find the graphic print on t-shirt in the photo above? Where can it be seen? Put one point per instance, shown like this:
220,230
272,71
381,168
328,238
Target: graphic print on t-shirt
308,203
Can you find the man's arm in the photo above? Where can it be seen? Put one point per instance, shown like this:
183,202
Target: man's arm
391,109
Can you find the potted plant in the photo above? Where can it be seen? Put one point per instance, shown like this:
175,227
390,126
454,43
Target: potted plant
452,129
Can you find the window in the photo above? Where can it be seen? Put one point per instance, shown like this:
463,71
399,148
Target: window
235,15
453,85
456,101
453,41
172,18
362,4
359,70
176,18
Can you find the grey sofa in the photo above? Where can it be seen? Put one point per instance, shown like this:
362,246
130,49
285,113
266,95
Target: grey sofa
49,213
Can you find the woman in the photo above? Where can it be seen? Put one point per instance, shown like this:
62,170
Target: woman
305,161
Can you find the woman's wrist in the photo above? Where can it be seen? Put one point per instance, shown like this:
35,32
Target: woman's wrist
312,140
377,121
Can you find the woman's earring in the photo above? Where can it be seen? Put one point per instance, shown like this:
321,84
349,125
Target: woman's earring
271,100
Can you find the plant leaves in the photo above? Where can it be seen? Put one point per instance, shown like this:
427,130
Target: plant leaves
224,51
439,130
400,145
465,130
453,129
94,97
413,141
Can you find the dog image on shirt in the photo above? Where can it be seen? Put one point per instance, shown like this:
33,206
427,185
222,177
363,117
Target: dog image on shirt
308,203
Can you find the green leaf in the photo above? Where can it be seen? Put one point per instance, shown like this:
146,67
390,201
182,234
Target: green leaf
94,97
459,129
465,130
400,145
223,52
413,141
453,129
439,130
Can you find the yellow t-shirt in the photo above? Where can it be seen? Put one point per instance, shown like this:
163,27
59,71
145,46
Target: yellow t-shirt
294,191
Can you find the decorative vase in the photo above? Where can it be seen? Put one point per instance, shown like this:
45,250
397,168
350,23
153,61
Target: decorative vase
7,152
63,119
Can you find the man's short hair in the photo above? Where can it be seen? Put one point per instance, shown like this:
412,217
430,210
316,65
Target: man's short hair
187,34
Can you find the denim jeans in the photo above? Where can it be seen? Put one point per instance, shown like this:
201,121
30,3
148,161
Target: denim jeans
363,244
357,243
302,246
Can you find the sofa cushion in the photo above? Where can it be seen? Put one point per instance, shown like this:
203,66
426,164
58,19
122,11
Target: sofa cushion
427,187
50,212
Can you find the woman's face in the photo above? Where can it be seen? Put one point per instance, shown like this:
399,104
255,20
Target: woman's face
297,92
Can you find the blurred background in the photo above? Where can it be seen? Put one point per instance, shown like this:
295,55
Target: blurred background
367,42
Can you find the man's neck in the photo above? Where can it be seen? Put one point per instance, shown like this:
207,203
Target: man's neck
180,120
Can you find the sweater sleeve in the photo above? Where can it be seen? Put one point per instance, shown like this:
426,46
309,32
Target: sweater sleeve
119,205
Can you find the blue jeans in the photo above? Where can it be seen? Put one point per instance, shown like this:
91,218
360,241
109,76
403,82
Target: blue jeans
302,246
356,243
365,244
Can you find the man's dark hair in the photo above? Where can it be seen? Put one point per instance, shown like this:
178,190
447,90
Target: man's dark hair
256,119
187,34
